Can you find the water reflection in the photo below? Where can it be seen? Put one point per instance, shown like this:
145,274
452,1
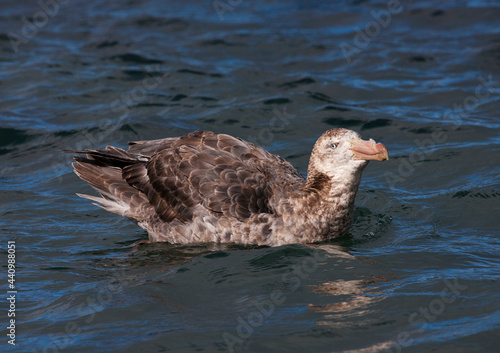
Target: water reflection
350,300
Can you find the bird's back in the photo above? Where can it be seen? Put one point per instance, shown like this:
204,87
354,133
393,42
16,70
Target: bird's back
177,181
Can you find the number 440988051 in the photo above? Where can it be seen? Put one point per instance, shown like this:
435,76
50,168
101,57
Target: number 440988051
11,249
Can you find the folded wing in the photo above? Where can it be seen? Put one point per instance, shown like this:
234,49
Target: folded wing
223,174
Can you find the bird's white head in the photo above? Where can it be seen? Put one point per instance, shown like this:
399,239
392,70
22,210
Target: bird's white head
341,152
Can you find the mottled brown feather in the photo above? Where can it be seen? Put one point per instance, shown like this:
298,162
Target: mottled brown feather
194,170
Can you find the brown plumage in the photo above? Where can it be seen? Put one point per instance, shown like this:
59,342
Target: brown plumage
208,187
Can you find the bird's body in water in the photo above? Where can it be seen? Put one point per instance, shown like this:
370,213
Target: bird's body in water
208,187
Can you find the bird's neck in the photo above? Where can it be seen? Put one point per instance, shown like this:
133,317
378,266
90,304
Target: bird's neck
332,193
331,203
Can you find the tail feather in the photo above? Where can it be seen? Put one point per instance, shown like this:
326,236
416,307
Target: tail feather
111,157
103,170
115,205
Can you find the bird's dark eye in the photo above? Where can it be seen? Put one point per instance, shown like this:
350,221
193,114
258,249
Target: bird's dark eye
333,145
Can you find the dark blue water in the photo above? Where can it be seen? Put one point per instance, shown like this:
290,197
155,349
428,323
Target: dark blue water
419,271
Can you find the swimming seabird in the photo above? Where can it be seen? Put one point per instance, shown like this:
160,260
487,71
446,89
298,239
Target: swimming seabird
210,187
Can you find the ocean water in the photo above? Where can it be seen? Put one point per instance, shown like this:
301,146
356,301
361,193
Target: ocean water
419,270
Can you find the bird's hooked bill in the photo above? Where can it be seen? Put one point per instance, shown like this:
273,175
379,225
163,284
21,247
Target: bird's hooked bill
369,150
